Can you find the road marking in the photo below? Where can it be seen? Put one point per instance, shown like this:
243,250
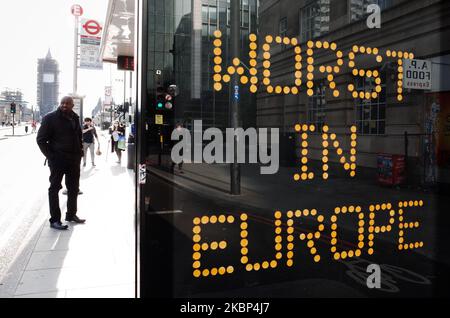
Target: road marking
168,212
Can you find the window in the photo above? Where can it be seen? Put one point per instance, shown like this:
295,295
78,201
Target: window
371,113
316,106
205,32
358,8
314,19
245,15
245,18
282,29
205,14
245,11
213,15
329,164
223,15
209,19
209,14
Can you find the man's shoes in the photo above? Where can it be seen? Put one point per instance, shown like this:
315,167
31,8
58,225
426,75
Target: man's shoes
79,192
93,164
58,226
75,219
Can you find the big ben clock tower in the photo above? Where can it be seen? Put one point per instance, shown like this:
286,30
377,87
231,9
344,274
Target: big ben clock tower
47,84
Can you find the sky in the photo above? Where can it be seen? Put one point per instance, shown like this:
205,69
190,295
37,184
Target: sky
29,28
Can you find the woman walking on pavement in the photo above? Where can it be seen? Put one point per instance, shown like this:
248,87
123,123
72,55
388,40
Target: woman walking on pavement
117,132
33,126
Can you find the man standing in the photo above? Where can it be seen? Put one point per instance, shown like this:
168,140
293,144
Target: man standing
59,139
89,133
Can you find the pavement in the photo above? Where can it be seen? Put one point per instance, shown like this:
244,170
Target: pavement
94,260
19,131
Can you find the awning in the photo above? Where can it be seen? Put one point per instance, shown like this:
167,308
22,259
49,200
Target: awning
118,37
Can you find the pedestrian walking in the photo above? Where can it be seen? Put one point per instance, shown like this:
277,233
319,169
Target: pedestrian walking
179,126
60,140
89,136
33,127
117,132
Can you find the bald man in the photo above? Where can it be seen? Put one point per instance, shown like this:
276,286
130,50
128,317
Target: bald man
60,140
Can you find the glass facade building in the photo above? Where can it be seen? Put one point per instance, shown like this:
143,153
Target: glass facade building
360,154
180,35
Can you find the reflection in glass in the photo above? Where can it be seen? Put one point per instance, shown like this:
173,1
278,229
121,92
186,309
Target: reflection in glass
358,8
314,19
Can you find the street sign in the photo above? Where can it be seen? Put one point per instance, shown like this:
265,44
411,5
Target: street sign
90,40
142,174
77,10
108,96
417,74
236,92
91,28
108,91
159,119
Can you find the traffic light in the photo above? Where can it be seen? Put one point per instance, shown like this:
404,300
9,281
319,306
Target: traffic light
164,100
172,93
13,108
160,98
169,102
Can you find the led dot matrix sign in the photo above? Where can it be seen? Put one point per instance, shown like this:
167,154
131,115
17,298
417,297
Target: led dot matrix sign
286,238
223,74
328,140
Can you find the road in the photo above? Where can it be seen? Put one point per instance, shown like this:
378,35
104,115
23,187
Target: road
168,256
23,208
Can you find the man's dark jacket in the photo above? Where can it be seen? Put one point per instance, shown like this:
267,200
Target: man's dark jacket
60,138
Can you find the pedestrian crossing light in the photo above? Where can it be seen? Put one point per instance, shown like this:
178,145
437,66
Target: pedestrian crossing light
168,105
164,98
172,92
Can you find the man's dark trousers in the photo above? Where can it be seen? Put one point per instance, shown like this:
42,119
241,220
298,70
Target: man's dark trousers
71,171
